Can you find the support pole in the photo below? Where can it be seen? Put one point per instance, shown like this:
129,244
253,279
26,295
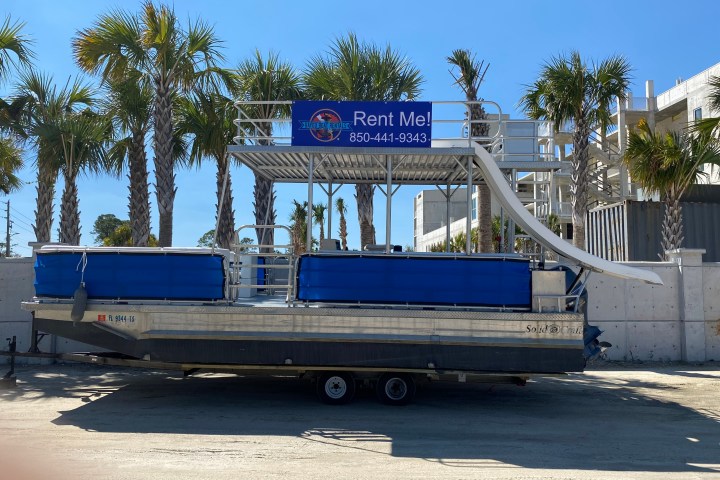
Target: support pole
311,172
468,218
329,209
7,231
447,219
388,203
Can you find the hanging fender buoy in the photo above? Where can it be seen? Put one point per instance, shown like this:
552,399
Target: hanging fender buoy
79,303
80,296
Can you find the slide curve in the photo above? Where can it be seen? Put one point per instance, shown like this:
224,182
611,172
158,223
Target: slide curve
509,200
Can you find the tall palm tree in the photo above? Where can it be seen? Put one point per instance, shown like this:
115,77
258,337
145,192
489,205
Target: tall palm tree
354,70
129,104
173,59
208,120
76,141
470,77
569,90
342,210
319,215
44,104
668,163
266,80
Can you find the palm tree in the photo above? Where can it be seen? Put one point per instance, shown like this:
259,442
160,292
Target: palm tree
668,163
43,104
319,215
76,141
129,104
568,90
266,80
471,76
174,60
208,119
354,70
342,210
298,226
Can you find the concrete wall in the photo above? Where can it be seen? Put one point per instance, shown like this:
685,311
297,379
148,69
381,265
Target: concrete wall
679,320
16,284
641,321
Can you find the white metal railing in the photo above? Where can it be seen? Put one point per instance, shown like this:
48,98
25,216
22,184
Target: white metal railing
269,123
242,273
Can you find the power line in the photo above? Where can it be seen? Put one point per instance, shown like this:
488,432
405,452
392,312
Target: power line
24,229
15,219
16,212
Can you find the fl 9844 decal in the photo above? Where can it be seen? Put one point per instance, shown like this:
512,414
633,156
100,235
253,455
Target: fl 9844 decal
120,318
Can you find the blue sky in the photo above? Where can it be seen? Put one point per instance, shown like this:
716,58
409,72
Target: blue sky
515,37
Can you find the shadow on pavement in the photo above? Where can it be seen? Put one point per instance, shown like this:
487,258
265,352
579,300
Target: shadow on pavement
575,422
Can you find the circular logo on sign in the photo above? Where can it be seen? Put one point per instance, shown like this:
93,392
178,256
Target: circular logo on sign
554,329
325,125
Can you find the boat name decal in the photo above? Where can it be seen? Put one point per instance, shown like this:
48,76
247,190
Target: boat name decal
553,329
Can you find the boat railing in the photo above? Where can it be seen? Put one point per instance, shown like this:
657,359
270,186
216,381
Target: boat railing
269,123
259,266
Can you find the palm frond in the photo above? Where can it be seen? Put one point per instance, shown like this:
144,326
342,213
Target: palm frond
14,46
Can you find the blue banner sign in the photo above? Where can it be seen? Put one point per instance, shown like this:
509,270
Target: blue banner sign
361,124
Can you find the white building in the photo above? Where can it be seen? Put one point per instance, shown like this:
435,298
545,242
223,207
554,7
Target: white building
540,168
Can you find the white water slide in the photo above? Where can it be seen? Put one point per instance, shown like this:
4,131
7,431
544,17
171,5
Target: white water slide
500,187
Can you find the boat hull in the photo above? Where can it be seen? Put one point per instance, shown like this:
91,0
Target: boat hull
497,342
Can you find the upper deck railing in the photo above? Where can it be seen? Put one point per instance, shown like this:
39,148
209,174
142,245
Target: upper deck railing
269,123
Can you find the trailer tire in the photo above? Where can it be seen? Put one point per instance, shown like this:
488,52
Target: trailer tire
395,388
336,388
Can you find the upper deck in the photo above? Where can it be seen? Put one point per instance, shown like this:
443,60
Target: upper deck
265,145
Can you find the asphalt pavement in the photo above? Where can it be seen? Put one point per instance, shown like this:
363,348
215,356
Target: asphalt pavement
613,422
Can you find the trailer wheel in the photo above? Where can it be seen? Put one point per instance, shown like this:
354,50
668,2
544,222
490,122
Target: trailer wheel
336,388
395,388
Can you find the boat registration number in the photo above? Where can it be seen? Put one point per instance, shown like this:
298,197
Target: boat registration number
116,318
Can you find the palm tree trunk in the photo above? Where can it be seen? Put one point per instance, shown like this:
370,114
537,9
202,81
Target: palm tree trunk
139,192
70,213
264,210
579,183
264,205
46,178
164,168
477,112
343,231
672,228
226,225
364,198
485,218
299,238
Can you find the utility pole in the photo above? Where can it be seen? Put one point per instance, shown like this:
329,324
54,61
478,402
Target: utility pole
7,233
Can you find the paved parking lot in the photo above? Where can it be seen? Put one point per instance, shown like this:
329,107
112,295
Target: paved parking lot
613,422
